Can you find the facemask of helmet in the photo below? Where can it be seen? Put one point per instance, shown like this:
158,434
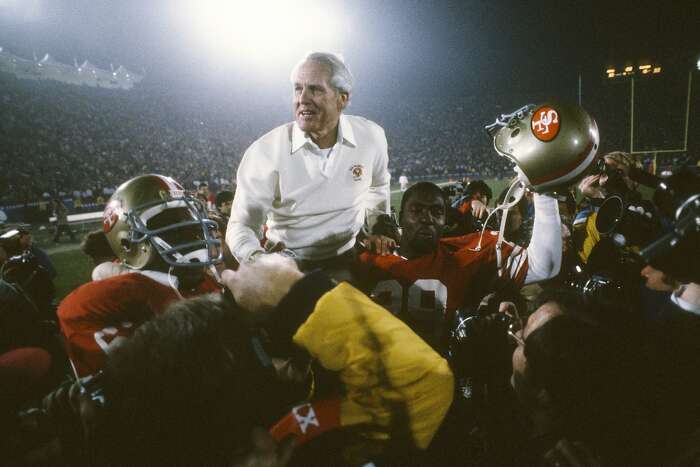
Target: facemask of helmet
552,144
152,216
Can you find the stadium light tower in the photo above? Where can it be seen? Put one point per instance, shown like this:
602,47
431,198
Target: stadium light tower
698,64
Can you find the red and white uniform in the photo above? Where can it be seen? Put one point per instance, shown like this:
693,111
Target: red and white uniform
98,315
445,281
457,274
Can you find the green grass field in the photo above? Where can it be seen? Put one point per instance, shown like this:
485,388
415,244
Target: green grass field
74,268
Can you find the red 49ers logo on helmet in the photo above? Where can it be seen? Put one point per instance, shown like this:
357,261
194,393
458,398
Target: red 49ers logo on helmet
110,216
545,123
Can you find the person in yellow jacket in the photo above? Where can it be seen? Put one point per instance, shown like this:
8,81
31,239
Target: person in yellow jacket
381,363
613,179
196,385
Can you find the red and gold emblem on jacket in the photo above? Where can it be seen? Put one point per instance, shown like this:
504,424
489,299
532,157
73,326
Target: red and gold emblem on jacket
357,170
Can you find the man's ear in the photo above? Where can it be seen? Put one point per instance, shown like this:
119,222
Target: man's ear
344,100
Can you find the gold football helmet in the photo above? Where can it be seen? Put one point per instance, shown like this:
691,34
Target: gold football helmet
152,216
551,144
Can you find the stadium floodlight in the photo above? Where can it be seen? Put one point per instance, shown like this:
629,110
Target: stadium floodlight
644,67
628,69
657,69
698,64
610,70
270,33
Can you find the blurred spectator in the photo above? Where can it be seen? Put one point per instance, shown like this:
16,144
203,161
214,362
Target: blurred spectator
61,213
96,246
205,196
475,200
224,199
17,241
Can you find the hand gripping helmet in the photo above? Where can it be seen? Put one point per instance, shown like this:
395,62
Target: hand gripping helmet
150,216
552,144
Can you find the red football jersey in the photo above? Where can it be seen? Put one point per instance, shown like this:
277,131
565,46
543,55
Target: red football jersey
99,314
455,276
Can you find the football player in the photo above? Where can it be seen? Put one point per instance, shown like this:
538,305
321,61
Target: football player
164,237
552,145
431,276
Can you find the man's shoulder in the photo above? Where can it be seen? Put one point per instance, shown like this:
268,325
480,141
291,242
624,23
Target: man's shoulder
113,291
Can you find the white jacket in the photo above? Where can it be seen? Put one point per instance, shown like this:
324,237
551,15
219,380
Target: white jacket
313,200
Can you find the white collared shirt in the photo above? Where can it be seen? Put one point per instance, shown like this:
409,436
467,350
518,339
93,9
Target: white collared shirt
311,199
678,298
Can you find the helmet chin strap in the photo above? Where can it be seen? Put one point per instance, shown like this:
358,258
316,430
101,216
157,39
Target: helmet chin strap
199,255
173,284
517,190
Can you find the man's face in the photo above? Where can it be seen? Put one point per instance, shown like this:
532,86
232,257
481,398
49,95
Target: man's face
225,208
317,104
422,221
522,386
657,280
619,182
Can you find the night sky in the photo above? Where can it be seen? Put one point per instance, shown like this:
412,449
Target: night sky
395,46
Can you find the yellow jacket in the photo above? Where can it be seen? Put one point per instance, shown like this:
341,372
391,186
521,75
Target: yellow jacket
381,362
592,236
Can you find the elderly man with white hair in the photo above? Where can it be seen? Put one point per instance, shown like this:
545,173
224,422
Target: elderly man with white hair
314,181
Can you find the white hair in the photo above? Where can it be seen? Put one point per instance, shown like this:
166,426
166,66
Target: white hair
341,78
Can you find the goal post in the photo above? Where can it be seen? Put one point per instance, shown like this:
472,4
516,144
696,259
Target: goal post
685,130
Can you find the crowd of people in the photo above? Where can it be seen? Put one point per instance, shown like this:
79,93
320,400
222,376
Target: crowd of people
300,320
79,142
60,138
53,128
604,366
